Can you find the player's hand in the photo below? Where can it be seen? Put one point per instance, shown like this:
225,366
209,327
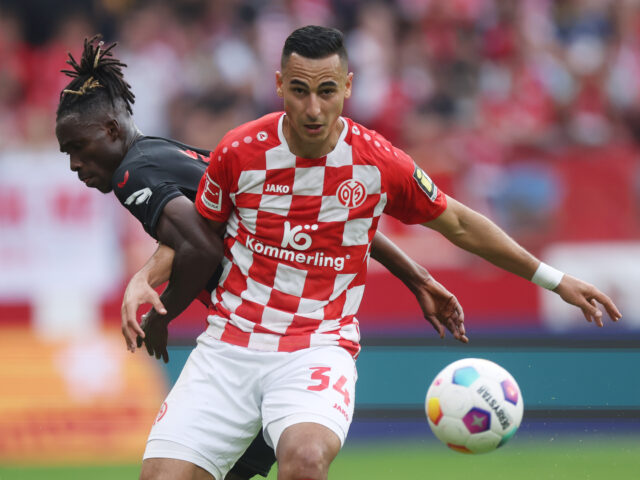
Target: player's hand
587,297
155,335
441,309
137,293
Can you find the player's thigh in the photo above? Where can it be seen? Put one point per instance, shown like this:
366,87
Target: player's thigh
172,469
315,386
212,413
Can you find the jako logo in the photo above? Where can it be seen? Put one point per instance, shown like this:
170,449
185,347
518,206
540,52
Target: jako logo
271,188
295,238
351,193
139,197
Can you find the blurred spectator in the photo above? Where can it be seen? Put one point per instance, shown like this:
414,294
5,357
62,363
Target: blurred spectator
464,85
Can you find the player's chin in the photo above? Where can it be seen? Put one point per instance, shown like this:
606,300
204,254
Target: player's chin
104,188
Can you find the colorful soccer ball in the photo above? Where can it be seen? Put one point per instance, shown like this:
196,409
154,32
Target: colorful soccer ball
474,406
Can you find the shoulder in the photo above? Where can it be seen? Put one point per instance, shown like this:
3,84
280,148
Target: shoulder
367,140
250,138
368,145
152,161
157,150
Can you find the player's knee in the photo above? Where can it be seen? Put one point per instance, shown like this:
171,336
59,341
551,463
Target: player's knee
304,461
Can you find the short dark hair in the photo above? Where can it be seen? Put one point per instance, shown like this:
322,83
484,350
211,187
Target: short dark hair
97,79
315,42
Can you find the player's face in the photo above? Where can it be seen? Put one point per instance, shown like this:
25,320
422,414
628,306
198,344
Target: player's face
94,147
314,91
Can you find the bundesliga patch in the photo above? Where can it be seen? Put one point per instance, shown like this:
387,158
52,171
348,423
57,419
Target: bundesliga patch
212,195
426,184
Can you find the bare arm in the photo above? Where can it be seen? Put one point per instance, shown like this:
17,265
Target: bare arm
198,250
439,306
140,290
477,234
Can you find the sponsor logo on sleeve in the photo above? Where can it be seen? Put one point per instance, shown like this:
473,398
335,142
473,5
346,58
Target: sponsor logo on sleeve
426,184
140,196
212,195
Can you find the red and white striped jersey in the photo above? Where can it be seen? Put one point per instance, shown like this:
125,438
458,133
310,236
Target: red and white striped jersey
299,231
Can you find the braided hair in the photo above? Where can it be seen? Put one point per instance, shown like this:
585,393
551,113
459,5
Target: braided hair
97,78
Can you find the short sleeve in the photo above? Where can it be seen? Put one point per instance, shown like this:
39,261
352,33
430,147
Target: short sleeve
145,190
412,197
213,198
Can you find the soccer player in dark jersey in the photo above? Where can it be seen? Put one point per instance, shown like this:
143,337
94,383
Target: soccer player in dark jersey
298,195
153,178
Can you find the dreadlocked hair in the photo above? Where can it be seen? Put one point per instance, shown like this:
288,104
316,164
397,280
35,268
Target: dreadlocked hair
97,77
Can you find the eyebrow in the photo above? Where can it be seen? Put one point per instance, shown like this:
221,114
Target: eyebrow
328,83
65,146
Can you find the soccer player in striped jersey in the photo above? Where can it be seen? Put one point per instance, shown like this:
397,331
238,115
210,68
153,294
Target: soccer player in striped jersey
153,177
298,195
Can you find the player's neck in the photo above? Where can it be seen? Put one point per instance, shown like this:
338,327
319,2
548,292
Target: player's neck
133,134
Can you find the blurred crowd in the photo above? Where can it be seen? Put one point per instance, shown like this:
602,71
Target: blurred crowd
467,87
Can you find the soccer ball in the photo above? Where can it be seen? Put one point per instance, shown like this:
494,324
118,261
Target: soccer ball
474,406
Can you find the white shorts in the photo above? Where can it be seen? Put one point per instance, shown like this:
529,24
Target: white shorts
226,393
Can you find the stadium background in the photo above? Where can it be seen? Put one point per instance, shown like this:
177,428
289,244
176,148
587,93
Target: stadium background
527,111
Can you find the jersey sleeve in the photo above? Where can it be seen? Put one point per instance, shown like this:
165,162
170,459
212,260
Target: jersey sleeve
412,197
144,189
213,200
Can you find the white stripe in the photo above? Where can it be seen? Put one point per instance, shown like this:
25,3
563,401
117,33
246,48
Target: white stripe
352,303
356,232
341,282
266,342
289,280
251,181
249,218
277,204
369,175
308,181
276,320
332,210
242,257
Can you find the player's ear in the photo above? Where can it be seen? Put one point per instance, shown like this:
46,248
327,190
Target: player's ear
279,84
113,128
348,85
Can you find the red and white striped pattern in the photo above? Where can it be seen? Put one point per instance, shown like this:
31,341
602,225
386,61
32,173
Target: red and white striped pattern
299,232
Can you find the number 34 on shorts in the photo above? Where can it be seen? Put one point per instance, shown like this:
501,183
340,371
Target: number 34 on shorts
322,380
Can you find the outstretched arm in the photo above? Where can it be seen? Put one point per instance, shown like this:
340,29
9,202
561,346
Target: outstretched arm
198,250
477,234
140,290
439,306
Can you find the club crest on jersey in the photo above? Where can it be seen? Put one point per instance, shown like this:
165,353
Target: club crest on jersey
426,184
212,195
351,193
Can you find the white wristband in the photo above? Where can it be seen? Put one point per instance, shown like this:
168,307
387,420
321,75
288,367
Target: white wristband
547,277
